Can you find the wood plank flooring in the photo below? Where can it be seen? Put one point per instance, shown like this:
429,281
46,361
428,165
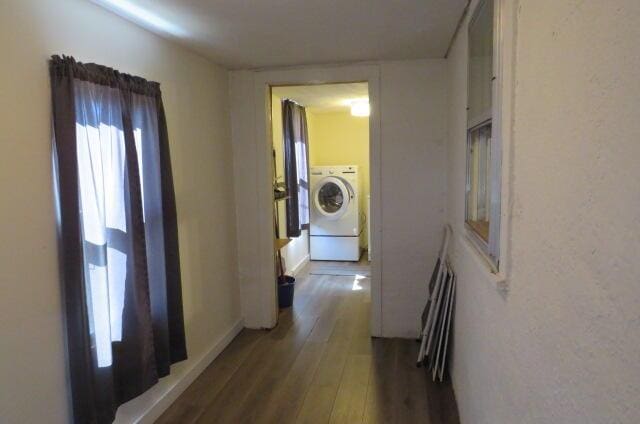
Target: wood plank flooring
319,365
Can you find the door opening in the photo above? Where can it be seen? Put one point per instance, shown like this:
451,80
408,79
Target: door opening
322,182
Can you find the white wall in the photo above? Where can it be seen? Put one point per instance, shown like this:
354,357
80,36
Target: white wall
408,132
561,345
414,128
256,271
32,362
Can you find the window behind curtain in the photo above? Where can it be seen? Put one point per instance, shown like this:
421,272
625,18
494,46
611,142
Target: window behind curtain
103,192
296,165
105,205
302,170
118,235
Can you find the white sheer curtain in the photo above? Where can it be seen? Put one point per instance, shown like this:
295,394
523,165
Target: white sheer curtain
104,196
302,168
103,193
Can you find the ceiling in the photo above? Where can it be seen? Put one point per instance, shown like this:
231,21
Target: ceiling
324,97
242,34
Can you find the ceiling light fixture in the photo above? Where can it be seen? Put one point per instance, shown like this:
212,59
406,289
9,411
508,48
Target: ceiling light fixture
360,108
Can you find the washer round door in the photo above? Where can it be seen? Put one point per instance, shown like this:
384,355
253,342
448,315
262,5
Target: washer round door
331,198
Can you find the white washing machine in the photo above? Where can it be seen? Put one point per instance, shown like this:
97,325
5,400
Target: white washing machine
335,216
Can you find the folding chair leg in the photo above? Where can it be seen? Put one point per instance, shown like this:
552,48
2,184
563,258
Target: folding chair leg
421,352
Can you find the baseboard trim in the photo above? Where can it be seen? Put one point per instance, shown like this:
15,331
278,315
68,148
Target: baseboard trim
300,266
172,392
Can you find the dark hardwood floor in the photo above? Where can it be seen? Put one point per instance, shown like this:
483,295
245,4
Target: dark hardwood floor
319,365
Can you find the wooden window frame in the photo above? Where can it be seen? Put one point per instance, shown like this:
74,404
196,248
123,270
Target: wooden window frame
491,248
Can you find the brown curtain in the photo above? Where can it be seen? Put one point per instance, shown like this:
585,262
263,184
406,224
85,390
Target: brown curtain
296,166
117,233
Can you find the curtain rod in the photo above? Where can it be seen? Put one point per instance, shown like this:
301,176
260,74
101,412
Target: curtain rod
293,101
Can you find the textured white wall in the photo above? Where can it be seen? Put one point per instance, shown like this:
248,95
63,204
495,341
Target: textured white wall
32,363
562,345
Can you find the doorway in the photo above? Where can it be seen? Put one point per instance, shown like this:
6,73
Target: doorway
330,193
255,215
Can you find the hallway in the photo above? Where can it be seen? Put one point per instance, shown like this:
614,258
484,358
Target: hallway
318,365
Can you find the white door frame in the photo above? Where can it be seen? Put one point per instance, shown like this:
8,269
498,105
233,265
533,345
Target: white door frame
263,81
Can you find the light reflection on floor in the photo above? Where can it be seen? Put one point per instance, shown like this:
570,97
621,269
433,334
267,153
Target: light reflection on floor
356,282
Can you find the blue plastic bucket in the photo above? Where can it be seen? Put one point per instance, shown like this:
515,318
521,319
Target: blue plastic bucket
286,285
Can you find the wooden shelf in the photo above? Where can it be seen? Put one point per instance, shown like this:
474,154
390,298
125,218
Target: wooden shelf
280,243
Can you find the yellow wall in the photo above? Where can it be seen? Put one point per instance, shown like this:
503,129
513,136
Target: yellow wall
338,138
276,132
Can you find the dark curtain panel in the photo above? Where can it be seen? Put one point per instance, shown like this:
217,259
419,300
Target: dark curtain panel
296,166
118,235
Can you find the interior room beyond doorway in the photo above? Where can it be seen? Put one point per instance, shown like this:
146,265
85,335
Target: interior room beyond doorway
338,192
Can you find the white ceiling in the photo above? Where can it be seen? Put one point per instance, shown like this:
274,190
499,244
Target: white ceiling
267,33
324,97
